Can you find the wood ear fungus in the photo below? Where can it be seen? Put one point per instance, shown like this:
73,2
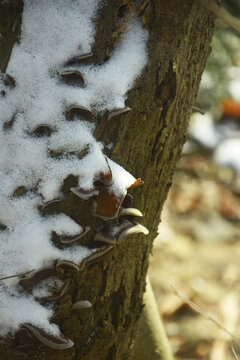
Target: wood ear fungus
36,276
119,112
113,233
72,76
52,202
79,58
104,178
67,265
79,111
9,81
136,183
68,239
84,194
107,204
58,342
130,212
98,254
19,191
63,290
42,130
81,305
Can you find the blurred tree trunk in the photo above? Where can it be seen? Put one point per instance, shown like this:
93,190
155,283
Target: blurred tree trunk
147,142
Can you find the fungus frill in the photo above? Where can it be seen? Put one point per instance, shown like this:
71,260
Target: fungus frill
108,191
73,77
79,111
42,130
69,239
81,305
119,112
115,231
59,342
108,201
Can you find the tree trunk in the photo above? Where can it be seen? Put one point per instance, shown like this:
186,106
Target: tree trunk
147,142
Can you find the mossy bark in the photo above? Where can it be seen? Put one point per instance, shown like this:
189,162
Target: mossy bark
147,142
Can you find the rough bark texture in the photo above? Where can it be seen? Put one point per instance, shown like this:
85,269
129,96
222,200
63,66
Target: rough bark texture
147,142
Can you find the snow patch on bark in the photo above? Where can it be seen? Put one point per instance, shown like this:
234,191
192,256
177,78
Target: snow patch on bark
52,33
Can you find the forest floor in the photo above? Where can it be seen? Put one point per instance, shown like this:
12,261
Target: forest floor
197,252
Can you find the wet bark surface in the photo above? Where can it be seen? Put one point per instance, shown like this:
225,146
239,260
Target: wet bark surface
147,142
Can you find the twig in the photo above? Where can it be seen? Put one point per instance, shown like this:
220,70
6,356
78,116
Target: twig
205,314
16,275
234,353
198,109
222,14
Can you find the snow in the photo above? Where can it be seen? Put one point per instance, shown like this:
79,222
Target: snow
52,33
45,287
227,154
234,83
222,139
20,308
202,129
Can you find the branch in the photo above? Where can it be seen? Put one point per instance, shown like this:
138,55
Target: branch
206,315
16,275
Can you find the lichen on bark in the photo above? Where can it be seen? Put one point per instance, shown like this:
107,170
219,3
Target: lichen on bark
148,143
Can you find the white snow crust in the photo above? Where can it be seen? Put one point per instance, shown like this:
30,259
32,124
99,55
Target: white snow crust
52,33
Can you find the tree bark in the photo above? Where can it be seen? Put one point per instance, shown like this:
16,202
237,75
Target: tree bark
147,142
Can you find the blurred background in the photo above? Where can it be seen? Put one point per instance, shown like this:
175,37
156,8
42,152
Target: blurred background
197,250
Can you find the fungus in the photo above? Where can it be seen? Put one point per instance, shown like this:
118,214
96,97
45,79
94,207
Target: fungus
69,239
84,194
127,201
72,76
136,183
22,342
67,265
78,58
113,233
9,81
19,191
107,203
59,342
6,341
130,212
52,202
119,112
105,178
80,111
98,254
42,130
8,124
2,227
36,276
81,305
102,179
62,291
